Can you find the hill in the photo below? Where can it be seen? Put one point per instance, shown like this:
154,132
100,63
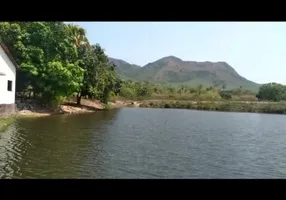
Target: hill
175,71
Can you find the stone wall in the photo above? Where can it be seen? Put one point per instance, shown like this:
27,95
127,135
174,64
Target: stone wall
7,109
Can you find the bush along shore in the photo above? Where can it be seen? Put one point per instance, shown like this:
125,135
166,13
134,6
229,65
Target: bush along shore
226,106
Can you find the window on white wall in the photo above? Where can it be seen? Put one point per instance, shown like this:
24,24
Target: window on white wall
9,88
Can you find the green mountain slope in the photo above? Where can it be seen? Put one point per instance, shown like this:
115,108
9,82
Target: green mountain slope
124,69
175,71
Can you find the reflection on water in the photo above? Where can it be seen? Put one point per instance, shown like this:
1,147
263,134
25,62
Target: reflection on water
145,143
50,147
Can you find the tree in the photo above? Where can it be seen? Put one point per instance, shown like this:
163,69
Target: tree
78,35
104,78
171,90
46,56
225,95
199,88
272,92
224,86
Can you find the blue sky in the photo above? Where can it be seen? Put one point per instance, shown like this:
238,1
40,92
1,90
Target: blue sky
256,50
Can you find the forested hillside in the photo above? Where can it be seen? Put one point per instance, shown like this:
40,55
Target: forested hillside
175,71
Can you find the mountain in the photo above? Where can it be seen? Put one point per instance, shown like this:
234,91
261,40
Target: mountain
124,69
175,71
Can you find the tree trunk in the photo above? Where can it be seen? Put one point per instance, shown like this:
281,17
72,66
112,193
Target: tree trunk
78,98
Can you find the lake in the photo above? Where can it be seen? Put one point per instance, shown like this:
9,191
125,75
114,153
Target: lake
145,143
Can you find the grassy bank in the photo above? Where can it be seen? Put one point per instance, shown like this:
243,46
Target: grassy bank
187,97
5,122
227,106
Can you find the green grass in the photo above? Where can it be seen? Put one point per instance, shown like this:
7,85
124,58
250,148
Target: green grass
107,106
5,122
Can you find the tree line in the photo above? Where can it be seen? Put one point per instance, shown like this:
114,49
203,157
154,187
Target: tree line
267,92
56,61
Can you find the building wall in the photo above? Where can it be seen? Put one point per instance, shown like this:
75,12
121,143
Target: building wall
8,68
7,109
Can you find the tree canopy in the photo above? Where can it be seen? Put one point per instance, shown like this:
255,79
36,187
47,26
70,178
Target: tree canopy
272,92
57,61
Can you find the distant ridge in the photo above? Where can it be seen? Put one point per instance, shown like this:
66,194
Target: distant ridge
174,70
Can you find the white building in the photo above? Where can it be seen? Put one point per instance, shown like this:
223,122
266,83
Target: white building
7,76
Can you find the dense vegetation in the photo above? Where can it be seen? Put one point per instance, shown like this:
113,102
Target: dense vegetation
226,106
272,92
56,61
145,90
207,98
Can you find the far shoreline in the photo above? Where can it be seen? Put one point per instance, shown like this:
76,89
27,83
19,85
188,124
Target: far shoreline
221,106
90,106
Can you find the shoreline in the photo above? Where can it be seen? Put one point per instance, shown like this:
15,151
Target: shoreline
89,106
221,106
31,109
69,107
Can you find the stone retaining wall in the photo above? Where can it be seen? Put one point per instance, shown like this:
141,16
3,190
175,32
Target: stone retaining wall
7,109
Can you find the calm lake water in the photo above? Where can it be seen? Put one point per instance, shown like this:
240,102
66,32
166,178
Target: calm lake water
146,143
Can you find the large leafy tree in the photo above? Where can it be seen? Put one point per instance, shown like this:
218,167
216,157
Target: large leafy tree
272,92
45,53
100,79
104,77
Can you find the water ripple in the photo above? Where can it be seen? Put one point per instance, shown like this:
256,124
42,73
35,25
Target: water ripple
146,143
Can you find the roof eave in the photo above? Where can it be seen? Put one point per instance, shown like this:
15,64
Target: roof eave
5,48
